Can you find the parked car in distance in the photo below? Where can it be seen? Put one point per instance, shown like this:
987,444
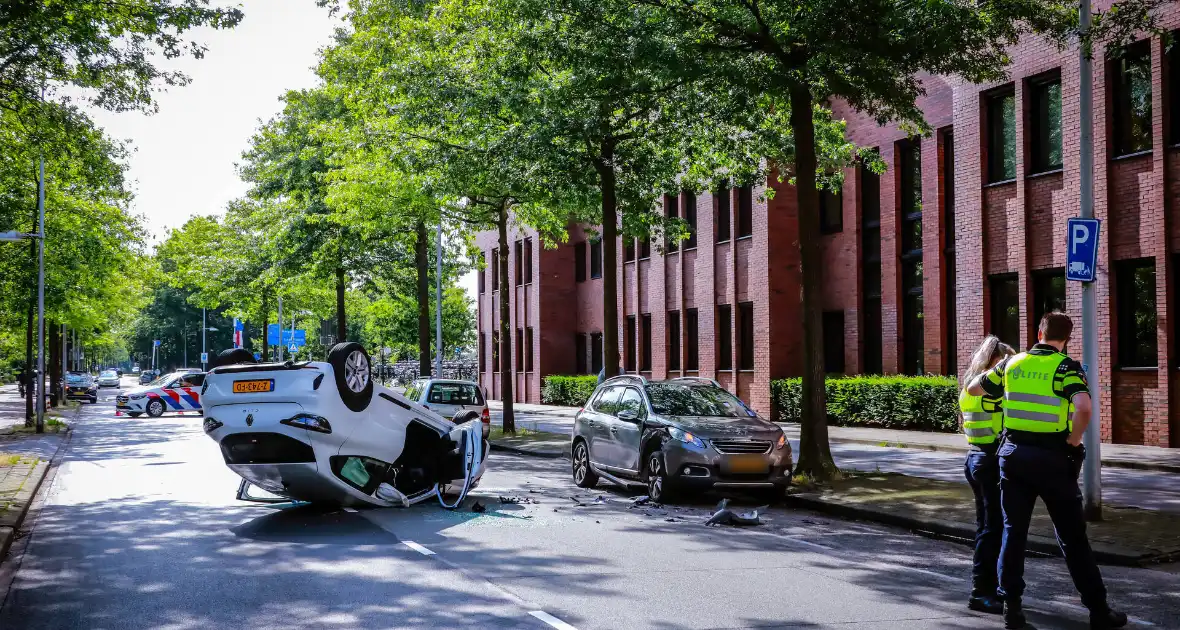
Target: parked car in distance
147,376
81,386
458,400
135,369
108,378
177,391
677,435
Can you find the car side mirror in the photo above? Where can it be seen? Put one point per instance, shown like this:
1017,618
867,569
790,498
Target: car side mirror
628,415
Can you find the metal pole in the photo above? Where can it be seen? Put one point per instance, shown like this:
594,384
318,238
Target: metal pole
293,334
64,346
1092,469
279,341
438,337
41,296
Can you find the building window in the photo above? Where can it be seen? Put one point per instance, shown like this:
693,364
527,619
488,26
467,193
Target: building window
519,348
495,351
831,212
746,330
1005,303
1131,80
596,258
629,350
673,340
528,349
595,353
1048,295
722,197
519,251
528,261
833,332
1046,135
580,353
950,356
495,269
644,249
483,351
580,262
692,357
1001,137
671,210
628,249
745,212
913,325
689,201
1173,80
482,279
1136,313
645,353
870,204
724,338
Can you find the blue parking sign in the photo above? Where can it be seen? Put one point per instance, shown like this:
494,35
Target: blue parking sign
1081,256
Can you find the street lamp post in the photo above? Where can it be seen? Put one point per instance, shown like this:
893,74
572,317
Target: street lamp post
438,332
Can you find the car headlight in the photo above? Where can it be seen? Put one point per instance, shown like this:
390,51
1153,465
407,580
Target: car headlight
309,422
686,437
782,441
136,396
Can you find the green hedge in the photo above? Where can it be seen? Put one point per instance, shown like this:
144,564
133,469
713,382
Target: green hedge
571,391
921,403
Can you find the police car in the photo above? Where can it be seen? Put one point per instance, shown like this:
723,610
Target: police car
177,391
324,432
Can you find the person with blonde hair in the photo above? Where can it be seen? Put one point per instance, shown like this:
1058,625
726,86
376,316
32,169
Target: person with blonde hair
982,421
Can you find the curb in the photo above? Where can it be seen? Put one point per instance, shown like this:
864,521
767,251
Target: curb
516,450
964,533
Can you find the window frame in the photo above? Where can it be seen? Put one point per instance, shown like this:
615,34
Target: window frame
1129,344
745,212
722,208
1008,331
998,135
746,359
596,257
673,341
1039,114
827,201
913,328
688,211
528,349
630,338
580,258
1121,110
834,362
724,337
528,260
645,342
692,351
495,269
596,358
869,189
518,253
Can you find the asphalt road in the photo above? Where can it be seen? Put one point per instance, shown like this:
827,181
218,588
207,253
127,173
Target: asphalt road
1120,486
139,529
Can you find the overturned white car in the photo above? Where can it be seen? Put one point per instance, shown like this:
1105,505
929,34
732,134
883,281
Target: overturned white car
323,432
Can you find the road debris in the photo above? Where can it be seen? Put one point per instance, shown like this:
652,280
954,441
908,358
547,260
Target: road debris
638,501
478,508
725,516
517,500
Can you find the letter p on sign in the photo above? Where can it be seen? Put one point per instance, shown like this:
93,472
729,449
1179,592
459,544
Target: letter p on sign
1082,253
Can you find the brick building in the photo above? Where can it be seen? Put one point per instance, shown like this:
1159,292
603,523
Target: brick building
964,234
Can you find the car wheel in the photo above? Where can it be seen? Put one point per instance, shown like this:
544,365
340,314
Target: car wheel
232,356
584,476
354,379
155,408
659,487
94,401
135,414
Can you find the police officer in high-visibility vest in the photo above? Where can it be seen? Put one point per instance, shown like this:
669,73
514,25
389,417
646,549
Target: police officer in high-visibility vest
1046,411
982,422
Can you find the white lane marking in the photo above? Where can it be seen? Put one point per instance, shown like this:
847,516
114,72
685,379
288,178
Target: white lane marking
350,510
416,547
553,622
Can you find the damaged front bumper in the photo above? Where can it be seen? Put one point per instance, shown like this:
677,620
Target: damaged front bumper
696,467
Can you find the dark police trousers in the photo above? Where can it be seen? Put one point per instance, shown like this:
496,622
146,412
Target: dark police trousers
1028,472
983,473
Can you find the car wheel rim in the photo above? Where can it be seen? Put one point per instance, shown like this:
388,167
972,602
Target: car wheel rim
356,371
655,480
580,465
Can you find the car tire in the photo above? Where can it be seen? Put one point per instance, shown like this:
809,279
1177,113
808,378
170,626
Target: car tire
659,486
94,401
135,414
584,475
354,377
232,356
155,408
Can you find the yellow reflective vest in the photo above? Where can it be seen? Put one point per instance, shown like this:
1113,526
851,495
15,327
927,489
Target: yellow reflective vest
1030,403
982,418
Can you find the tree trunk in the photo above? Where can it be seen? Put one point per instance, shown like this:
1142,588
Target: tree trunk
54,334
341,316
30,382
265,325
507,371
815,455
610,281
422,266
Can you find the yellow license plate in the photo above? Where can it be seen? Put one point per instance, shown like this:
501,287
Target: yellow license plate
252,387
745,464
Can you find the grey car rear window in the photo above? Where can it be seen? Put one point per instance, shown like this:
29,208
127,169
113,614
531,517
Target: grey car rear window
454,394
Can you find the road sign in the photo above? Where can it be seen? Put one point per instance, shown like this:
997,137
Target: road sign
1081,255
272,336
204,358
292,348
257,356
156,343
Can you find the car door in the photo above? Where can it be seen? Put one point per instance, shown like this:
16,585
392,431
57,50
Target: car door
624,433
599,414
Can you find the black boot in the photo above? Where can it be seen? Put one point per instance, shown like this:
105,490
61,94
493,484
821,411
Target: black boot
1014,616
1107,619
986,603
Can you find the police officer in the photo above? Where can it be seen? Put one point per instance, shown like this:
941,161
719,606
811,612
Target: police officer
982,423
1046,412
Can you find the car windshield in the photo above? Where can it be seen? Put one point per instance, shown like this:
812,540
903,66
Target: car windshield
109,374
682,399
163,380
454,394
76,379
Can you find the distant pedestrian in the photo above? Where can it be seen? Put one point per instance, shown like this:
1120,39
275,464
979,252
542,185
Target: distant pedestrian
1047,408
22,379
982,423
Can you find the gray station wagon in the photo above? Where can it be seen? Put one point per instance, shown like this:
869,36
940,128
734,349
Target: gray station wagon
677,435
